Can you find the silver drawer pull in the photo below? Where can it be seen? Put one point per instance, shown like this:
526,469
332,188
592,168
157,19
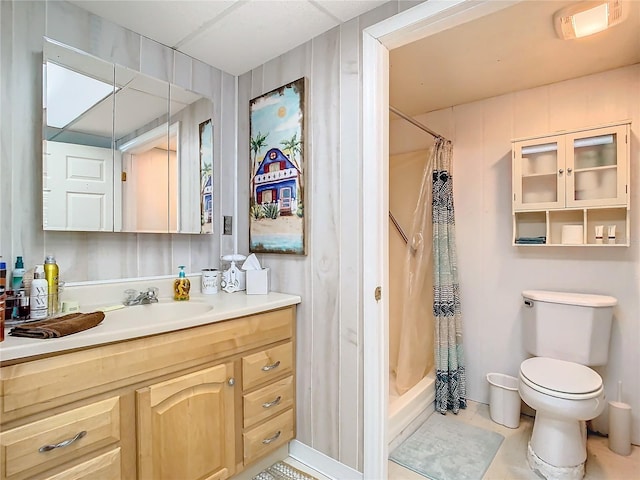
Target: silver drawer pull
64,443
266,368
273,403
267,441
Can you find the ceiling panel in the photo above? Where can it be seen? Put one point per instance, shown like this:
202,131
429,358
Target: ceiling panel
256,32
345,10
166,21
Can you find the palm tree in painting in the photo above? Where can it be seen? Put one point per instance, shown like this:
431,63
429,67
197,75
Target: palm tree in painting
257,143
294,146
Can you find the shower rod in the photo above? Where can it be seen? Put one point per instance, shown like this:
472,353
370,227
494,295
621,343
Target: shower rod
415,122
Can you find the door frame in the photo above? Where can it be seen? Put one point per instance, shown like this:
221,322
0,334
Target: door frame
422,20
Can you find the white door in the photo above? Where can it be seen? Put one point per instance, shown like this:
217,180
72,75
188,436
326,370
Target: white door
77,187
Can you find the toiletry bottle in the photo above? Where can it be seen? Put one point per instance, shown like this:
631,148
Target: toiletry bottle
181,286
3,286
51,275
18,273
39,294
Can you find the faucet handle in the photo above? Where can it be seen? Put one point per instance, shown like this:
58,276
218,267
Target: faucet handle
131,294
152,292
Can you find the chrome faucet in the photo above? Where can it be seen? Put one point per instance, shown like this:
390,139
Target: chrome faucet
141,298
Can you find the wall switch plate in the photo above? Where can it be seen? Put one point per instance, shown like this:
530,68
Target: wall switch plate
227,225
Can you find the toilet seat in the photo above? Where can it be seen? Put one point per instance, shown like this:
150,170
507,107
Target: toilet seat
560,378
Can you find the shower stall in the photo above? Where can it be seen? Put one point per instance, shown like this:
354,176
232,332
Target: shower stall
411,319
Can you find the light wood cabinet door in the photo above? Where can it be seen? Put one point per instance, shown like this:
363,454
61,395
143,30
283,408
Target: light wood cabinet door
186,426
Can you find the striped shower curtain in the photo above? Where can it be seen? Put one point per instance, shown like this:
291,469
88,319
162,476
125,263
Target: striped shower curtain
449,355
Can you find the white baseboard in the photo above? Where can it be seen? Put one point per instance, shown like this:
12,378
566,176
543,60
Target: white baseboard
322,463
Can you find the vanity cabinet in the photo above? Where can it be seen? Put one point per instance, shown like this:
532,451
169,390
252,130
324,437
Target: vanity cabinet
575,178
203,402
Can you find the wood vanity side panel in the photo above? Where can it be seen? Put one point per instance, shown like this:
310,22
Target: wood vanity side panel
38,385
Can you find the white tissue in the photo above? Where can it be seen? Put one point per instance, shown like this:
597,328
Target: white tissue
251,263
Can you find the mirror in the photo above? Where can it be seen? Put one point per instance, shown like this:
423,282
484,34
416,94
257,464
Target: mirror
121,151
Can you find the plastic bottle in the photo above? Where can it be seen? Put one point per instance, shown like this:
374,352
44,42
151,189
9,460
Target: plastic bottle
39,294
51,275
181,286
18,273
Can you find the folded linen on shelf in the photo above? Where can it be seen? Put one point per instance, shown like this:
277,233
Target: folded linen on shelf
58,327
531,240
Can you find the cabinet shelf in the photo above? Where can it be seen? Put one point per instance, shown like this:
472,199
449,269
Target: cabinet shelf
567,184
529,175
549,224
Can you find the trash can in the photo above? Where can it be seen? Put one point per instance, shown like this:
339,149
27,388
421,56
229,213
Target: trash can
504,399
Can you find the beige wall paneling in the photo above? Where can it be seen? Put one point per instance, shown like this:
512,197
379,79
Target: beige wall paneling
350,240
224,141
325,255
21,198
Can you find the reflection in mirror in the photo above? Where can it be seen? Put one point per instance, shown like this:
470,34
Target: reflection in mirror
191,111
149,158
122,151
77,148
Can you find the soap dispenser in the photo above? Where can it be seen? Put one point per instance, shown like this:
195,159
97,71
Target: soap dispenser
181,286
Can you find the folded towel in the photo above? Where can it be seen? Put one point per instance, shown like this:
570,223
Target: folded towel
531,240
58,327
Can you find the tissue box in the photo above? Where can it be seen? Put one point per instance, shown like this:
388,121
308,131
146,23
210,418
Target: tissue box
257,281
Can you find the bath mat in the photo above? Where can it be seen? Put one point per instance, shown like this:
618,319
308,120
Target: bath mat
282,471
445,448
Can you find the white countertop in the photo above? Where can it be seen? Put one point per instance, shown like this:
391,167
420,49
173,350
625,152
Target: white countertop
115,328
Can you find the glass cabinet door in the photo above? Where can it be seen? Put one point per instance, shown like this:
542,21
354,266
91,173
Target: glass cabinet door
538,173
596,167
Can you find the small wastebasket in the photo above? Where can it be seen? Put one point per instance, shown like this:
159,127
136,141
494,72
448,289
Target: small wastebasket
504,399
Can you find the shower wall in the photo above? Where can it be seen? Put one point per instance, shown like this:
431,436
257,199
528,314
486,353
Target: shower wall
405,176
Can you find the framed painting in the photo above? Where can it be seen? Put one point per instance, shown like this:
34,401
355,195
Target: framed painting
206,176
276,206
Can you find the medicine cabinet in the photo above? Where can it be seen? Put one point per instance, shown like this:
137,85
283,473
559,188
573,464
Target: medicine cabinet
565,184
121,149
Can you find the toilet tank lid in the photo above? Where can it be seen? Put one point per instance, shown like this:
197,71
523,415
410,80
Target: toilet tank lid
569,298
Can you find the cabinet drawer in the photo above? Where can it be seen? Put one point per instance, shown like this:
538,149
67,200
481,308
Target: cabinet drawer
268,436
268,401
267,364
61,438
104,467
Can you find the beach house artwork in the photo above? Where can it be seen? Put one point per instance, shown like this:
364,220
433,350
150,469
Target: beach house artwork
277,222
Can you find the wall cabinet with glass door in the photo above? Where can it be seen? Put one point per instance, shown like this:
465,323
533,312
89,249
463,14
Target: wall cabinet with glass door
572,179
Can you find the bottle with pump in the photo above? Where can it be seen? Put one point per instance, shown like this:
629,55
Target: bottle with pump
39,294
51,273
181,286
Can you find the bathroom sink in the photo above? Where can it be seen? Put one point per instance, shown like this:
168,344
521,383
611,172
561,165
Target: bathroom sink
160,312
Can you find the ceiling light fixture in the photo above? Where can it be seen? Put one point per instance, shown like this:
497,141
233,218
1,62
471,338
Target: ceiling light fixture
589,17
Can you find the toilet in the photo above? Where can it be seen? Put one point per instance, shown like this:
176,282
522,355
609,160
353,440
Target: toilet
566,333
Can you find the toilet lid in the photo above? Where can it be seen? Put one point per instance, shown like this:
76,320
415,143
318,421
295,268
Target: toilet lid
560,376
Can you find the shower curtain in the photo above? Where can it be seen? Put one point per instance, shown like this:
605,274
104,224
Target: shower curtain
450,374
412,339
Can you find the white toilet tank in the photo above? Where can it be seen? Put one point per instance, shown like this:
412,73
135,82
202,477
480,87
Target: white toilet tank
575,327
